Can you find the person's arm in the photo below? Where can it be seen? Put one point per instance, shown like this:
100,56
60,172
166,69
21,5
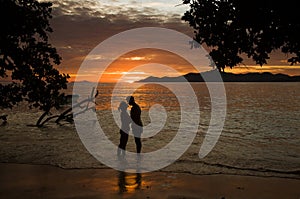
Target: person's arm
128,119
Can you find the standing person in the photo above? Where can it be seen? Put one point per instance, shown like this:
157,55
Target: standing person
137,125
124,131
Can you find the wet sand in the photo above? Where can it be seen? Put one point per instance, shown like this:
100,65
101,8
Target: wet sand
51,162
45,181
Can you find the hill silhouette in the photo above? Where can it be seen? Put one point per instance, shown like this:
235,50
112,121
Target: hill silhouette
211,76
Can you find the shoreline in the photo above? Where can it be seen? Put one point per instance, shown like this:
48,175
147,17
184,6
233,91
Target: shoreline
47,181
60,145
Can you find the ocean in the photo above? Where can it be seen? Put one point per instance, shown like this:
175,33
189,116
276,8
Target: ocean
260,136
261,133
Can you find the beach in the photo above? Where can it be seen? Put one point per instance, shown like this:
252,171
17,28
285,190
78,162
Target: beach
51,162
149,99
43,181
256,156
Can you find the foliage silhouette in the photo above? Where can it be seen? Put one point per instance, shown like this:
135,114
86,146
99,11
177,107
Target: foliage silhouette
27,58
231,28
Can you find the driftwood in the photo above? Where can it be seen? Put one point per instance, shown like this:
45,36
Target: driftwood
68,114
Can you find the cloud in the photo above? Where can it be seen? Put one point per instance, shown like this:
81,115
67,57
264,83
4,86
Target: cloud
80,25
131,9
137,58
133,73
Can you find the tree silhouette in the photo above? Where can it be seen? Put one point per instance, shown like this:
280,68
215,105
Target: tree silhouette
231,28
27,58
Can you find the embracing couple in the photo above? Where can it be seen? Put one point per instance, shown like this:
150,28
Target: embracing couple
136,125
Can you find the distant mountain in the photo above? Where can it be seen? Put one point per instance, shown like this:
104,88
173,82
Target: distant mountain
211,76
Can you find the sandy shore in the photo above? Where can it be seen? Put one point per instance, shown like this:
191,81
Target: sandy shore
44,181
51,162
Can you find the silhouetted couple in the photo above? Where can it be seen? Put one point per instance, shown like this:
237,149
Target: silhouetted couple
136,125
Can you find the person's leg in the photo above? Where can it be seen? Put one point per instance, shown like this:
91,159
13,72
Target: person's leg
137,132
123,141
138,144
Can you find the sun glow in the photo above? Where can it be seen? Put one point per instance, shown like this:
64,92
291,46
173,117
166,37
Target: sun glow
123,68
284,69
137,58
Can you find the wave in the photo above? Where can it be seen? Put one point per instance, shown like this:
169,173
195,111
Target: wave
220,168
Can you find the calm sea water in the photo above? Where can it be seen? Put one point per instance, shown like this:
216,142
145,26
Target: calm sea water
261,134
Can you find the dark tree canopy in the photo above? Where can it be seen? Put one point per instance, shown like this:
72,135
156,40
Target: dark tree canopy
27,58
255,28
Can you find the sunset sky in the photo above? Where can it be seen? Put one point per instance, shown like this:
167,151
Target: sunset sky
80,25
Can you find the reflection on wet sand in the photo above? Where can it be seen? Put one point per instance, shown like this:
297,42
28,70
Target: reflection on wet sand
129,182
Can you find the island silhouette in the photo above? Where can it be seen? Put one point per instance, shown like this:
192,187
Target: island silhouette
211,76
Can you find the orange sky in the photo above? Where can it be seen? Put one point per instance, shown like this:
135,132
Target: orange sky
124,66
79,26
